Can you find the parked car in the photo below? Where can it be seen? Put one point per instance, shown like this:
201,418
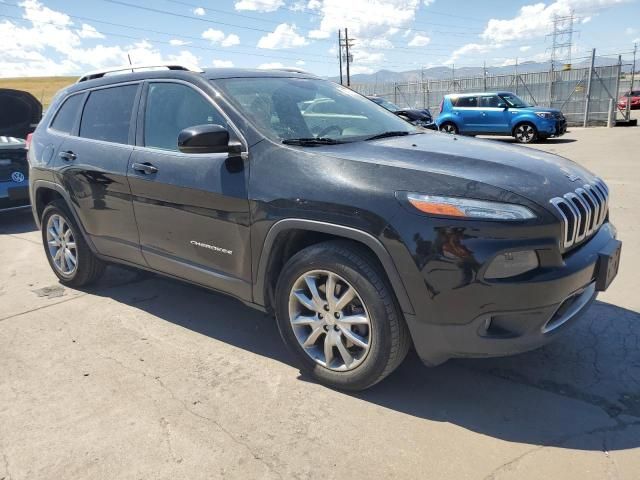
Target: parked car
363,234
633,97
501,113
20,113
14,172
418,116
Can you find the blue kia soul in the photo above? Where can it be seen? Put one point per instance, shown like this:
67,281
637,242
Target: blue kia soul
499,113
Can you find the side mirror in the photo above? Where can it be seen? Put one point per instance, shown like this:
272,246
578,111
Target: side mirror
502,105
204,139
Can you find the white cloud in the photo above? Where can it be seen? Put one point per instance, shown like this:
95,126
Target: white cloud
636,40
586,19
178,43
259,5
88,31
231,40
630,31
199,11
367,19
284,36
219,37
428,2
535,20
419,41
267,66
53,45
525,48
469,49
301,63
222,63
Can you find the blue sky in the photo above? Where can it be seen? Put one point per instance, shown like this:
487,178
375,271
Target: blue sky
56,37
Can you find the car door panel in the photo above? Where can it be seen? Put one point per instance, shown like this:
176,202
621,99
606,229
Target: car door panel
193,212
94,172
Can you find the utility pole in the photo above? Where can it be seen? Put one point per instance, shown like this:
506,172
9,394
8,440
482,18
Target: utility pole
484,75
346,45
588,95
340,53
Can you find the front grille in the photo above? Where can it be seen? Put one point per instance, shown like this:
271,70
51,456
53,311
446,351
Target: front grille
582,211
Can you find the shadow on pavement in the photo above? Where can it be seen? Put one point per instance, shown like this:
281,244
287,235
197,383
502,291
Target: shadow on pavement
586,382
16,221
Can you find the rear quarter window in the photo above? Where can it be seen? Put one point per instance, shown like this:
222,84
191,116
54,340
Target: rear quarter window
466,102
107,114
67,115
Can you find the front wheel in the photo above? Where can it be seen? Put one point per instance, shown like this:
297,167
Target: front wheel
337,314
525,133
449,127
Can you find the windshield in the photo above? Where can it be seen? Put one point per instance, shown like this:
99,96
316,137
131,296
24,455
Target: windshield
514,101
300,108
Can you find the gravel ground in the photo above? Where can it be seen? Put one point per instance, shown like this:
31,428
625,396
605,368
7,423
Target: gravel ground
147,378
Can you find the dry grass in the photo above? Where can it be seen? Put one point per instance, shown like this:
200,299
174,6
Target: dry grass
43,88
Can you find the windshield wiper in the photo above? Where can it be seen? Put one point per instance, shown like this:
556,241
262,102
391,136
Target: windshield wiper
398,133
311,141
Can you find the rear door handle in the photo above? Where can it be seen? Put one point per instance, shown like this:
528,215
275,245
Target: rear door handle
145,168
69,156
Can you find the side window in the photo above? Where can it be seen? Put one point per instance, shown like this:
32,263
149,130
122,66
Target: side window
490,101
107,114
467,102
172,107
67,114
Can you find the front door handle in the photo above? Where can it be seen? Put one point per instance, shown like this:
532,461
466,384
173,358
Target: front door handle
145,168
69,156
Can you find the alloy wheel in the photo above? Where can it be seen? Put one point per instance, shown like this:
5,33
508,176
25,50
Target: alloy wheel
525,133
330,320
62,245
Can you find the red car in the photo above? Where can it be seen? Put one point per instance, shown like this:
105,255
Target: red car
634,96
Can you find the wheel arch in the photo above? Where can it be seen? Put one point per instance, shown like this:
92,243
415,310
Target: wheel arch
287,237
44,192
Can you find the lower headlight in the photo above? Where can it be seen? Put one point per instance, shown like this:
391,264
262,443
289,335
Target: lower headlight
546,115
510,264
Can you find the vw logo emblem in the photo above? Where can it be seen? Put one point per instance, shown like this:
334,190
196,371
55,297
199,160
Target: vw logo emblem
17,177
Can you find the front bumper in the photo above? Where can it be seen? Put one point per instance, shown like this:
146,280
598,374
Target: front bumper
553,128
522,314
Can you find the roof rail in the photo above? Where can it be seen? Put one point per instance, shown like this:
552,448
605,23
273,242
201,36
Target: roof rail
293,70
126,68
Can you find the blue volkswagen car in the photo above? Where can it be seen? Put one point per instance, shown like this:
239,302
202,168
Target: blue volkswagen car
499,113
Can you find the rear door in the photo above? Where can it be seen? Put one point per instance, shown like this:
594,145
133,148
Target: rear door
91,164
192,209
467,113
494,119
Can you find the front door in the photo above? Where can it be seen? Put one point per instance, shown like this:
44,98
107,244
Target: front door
495,117
192,210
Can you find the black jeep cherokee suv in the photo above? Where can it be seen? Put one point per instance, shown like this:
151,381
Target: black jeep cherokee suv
361,233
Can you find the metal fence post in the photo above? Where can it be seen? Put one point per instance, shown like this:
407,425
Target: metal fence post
611,115
588,97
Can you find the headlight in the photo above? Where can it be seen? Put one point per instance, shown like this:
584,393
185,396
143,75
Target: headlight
469,208
511,264
546,115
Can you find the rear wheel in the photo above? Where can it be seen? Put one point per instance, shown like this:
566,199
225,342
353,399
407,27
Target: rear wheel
525,133
337,314
449,127
70,257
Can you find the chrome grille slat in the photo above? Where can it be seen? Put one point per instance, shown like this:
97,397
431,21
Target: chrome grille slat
582,211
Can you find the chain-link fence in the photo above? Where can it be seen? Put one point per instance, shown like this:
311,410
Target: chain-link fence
584,95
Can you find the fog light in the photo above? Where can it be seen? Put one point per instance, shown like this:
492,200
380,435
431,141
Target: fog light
511,264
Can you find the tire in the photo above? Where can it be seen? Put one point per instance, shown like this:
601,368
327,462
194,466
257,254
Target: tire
386,335
57,221
449,127
525,133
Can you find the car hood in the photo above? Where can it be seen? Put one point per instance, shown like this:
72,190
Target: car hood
533,174
414,113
